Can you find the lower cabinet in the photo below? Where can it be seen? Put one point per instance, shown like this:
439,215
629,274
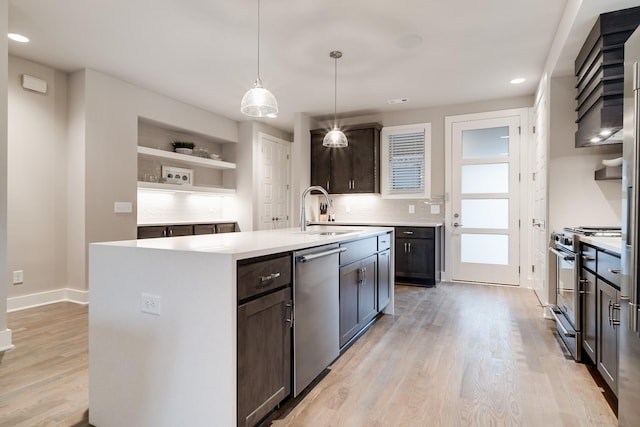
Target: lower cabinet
153,231
417,254
608,333
589,316
358,296
264,337
384,279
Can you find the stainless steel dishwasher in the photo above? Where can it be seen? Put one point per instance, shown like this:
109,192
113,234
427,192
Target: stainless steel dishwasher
316,331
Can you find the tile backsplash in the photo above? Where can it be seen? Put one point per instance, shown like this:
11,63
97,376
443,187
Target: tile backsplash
372,207
169,208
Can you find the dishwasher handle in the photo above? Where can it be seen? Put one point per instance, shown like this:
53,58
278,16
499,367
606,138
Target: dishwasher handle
311,257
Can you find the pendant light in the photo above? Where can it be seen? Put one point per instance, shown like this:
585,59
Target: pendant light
335,138
258,101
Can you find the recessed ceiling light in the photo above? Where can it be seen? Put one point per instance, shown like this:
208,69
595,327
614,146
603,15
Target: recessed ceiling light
18,37
398,101
517,81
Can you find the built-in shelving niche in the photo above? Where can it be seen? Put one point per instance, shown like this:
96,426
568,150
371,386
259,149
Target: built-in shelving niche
155,150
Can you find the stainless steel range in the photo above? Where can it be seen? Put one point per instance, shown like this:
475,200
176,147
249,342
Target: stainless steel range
568,312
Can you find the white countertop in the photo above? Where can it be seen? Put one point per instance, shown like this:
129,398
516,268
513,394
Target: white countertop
380,223
250,244
613,244
217,221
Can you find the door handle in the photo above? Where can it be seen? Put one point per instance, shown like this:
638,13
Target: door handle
455,224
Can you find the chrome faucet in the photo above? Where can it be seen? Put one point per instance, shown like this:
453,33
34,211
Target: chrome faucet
303,215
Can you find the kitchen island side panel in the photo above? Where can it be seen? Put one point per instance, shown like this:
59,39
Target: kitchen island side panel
176,368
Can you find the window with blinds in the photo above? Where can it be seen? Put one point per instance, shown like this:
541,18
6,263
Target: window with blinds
405,166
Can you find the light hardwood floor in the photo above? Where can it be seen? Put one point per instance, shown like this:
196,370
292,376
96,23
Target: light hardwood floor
455,355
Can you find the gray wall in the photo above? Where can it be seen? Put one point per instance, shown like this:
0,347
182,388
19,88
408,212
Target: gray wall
5,335
575,197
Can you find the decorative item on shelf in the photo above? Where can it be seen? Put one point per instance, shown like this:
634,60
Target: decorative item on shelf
214,156
201,152
335,138
183,147
612,162
258,101
173,175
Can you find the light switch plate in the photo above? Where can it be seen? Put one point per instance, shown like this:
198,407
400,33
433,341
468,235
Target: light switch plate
435,209
122,207
412,209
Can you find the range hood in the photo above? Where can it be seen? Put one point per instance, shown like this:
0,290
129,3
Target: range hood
599,69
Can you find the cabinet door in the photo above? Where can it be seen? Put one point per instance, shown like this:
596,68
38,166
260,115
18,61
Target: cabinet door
320,162
421,258
365,172
342,169
179,230
589,325
264,355
349,284
384,279
152,231
402,257
367,291
607,351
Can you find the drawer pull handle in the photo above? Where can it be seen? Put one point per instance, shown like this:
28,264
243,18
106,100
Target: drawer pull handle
587,258
269,277
613,270
407,232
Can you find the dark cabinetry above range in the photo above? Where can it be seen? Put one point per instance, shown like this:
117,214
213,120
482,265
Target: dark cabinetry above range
353,169
599,69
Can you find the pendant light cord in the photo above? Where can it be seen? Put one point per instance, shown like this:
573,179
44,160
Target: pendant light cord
259,42
335,93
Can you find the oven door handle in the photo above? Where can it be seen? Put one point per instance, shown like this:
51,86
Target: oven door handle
561,326
565,256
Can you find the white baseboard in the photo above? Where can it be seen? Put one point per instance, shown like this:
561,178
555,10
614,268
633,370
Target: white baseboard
49,297
5,340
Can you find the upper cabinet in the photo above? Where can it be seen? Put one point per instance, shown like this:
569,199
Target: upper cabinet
599,69
353,169
205,169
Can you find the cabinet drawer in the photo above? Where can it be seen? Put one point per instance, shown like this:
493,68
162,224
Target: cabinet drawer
415,232
609,268
384,242
179,230
151,231
256,276
588,257
204,229
226,228
358,250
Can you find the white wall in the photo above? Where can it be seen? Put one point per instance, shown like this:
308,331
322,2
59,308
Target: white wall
36,180
575,197
5,334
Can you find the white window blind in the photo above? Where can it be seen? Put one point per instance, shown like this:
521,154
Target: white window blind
405,162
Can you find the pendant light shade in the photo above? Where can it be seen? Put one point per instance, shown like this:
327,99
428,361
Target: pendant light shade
335,138
259,101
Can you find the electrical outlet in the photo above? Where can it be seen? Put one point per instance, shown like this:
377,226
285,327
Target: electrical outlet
412,209
150,304
435,209
18,277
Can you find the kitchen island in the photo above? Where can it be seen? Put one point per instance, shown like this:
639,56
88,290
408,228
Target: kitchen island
163,323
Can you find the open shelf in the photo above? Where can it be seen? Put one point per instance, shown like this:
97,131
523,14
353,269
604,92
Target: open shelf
185,158
608,172
160,186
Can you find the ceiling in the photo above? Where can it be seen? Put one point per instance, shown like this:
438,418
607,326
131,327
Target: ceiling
204,52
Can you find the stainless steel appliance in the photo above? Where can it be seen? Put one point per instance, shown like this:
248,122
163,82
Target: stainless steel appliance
316,332
568,310
629,344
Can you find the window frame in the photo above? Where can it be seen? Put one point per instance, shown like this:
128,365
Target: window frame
385,166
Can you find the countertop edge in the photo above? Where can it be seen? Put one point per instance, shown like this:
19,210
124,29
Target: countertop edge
611,244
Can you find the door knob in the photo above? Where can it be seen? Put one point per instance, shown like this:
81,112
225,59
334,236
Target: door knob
455,224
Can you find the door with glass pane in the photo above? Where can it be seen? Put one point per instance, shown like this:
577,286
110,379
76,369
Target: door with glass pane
484,200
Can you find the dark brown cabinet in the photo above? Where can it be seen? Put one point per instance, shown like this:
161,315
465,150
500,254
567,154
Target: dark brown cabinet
589,317
599,287
417,255
153,231
608,333
358,297
353,169
264,336
384,279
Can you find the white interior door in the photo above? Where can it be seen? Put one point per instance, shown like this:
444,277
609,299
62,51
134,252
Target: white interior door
539,226
485,208
275,175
